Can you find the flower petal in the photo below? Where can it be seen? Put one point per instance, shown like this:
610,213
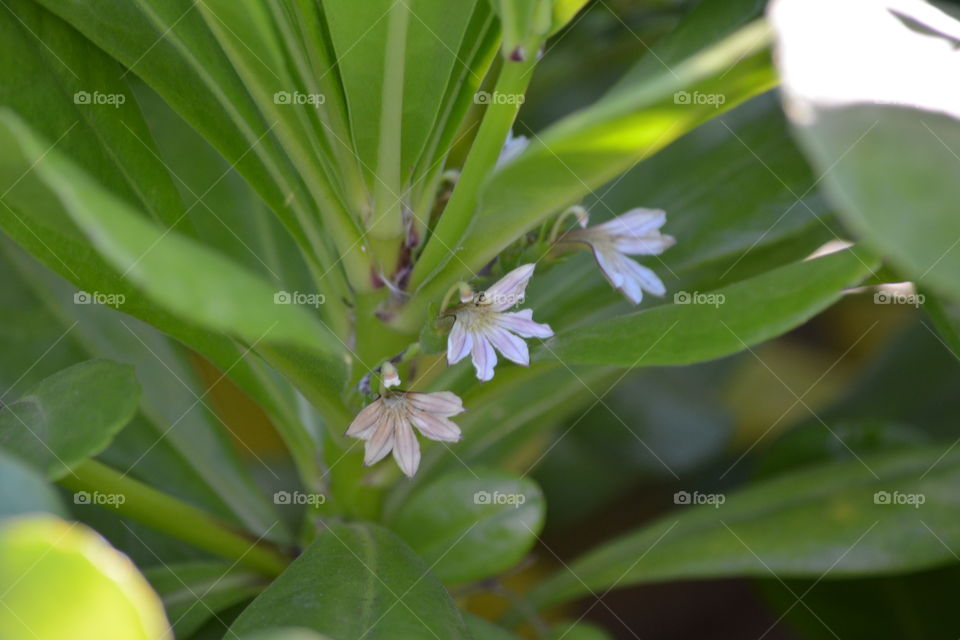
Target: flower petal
435,427
610,263
650,244
484,358
646,278
513,348
442,403
636,222
521,323
459,343
380,443
508,291
362,426
406,449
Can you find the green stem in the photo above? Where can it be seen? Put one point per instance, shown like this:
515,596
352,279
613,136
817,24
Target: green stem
386,224
497,121
175,518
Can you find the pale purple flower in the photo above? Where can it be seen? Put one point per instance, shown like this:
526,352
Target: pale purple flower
482,324
387,423
636,232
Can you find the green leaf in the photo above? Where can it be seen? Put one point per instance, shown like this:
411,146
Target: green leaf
70,416
249,36
564,11
707,23
192,593
288,633
221,295
23,490
427,52
481,629
822,521
97,591
696,329
177,442
887,143
168,45
578,630
592,146
357,581
740,199
46,85
471,525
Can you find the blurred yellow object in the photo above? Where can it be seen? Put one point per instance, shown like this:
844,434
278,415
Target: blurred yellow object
62,581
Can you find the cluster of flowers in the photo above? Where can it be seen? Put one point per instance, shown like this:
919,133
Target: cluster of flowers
483,325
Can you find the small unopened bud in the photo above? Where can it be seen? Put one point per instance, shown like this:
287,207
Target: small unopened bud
518,54
389,374
582,216
466,293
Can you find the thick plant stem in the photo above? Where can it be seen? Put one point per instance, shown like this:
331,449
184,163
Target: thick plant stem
504,104
175,518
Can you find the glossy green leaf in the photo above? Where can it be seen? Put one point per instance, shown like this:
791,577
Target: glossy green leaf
72,92
708,22
221,295
887,143
97,591
592,146
177,442
739,196
839,520
469,526
249,36
24,490
351,565
700,327
564,12
70,416
426,47
168,45
193,593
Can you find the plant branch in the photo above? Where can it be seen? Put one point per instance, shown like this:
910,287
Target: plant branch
175,518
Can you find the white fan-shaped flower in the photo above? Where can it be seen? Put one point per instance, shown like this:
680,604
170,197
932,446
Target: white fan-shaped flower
387,423
636,232
483,324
